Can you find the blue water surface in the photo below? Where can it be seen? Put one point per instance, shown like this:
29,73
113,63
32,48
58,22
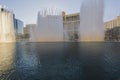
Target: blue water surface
60,61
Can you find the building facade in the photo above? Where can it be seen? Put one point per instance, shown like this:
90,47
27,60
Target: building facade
112,23
19,26
113,34
27,30
71,24
112,29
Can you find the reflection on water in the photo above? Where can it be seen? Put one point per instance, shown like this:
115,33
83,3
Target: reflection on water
7,53
60,61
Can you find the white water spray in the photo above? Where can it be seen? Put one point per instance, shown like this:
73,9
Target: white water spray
7,31
49,27
91,20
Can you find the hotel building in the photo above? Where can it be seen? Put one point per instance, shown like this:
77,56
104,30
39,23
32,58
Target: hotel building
112,29
112,23
27,30
71,24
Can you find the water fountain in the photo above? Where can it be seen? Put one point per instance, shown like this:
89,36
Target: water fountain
7,32
91,21
49,27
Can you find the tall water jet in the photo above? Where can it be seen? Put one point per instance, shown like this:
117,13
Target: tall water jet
91,20
49,27
7,31
33,33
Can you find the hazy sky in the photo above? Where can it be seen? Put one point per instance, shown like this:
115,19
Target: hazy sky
26,10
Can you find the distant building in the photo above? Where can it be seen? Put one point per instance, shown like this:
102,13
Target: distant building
112,23
27,30
112,29
71,23
113,34
71,26
19,26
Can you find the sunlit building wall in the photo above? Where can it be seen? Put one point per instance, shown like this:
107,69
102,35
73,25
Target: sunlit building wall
27,30
112,23
70,30
71,24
